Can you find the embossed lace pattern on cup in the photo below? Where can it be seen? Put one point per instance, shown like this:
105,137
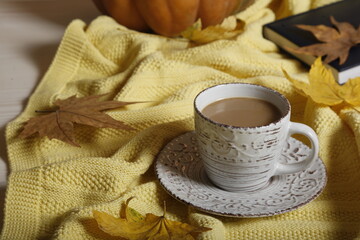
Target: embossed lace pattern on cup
246,166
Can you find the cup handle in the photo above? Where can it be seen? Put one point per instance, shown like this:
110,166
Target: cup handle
299,128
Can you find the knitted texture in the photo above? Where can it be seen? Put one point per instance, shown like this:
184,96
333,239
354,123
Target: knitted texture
53,187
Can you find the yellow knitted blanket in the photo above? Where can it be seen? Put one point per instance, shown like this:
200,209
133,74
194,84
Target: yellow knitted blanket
53,187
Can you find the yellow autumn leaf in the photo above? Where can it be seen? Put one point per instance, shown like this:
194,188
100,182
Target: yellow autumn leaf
134,226
322,87
350,92
230,27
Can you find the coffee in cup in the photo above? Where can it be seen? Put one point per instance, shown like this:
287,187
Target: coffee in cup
242,112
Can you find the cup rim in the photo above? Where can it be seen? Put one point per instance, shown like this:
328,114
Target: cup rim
281,96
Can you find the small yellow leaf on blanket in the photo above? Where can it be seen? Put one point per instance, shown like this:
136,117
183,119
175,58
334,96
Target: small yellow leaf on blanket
134,226
229,28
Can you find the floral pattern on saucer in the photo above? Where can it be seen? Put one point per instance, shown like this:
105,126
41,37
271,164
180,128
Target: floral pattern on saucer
181,173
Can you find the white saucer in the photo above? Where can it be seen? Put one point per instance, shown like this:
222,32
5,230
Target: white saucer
181,173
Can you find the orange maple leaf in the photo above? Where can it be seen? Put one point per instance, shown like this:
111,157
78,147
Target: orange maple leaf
336,43
59,124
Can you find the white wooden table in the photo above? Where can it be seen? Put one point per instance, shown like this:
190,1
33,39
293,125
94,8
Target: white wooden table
30,32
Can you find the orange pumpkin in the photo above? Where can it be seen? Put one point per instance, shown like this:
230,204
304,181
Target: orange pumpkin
169,17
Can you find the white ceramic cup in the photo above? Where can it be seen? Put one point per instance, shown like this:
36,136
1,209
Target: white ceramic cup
245,158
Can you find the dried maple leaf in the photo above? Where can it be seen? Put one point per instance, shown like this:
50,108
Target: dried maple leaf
324,89
59,124
134,226
229,28
336,44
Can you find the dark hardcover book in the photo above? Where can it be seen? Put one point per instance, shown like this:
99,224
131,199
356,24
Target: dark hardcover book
284,33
